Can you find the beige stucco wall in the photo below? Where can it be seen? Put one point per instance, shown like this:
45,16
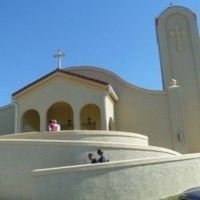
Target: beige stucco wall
7,119
137,110
61,88
170,118
18,157
84,135
143,179
179,47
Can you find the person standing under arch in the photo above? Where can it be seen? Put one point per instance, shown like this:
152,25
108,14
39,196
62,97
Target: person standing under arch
53,125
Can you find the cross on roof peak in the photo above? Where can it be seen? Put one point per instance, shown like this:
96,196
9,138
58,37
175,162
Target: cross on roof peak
59,56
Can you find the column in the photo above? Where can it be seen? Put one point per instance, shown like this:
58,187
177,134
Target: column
43,121
77,119
104,124
177,118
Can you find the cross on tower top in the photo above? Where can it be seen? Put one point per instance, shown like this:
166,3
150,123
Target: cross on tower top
59,56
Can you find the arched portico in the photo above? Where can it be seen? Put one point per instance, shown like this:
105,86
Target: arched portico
63,113
30,121
90,116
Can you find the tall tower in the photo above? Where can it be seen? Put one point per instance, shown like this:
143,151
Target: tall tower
179,48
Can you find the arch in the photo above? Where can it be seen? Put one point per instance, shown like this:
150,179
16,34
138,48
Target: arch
90,116
111,124
63,113
30,121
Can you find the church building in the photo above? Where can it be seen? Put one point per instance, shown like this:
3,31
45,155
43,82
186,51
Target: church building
91,98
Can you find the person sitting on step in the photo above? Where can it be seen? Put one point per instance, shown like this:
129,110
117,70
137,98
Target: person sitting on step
91,158
101,156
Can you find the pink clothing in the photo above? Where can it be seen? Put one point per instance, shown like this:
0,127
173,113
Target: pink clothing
54,126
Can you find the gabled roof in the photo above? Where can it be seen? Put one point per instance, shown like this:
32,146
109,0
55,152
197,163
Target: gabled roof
60,71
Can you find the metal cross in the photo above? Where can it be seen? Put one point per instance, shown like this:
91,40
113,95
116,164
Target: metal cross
59,56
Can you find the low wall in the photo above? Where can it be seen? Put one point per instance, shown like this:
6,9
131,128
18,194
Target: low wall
104,136
7,122
19,157
126,180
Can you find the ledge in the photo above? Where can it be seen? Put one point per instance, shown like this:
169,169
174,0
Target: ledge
86,132
115,164
109,145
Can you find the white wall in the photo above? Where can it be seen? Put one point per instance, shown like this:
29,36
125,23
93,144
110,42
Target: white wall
127,180
137,110
19,157
103,136
7,119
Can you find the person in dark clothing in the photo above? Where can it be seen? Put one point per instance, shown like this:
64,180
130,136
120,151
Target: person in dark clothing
91,158
101,156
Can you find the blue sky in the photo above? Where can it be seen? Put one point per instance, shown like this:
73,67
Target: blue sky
113,34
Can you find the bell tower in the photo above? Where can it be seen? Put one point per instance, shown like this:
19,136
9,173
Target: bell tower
179,48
